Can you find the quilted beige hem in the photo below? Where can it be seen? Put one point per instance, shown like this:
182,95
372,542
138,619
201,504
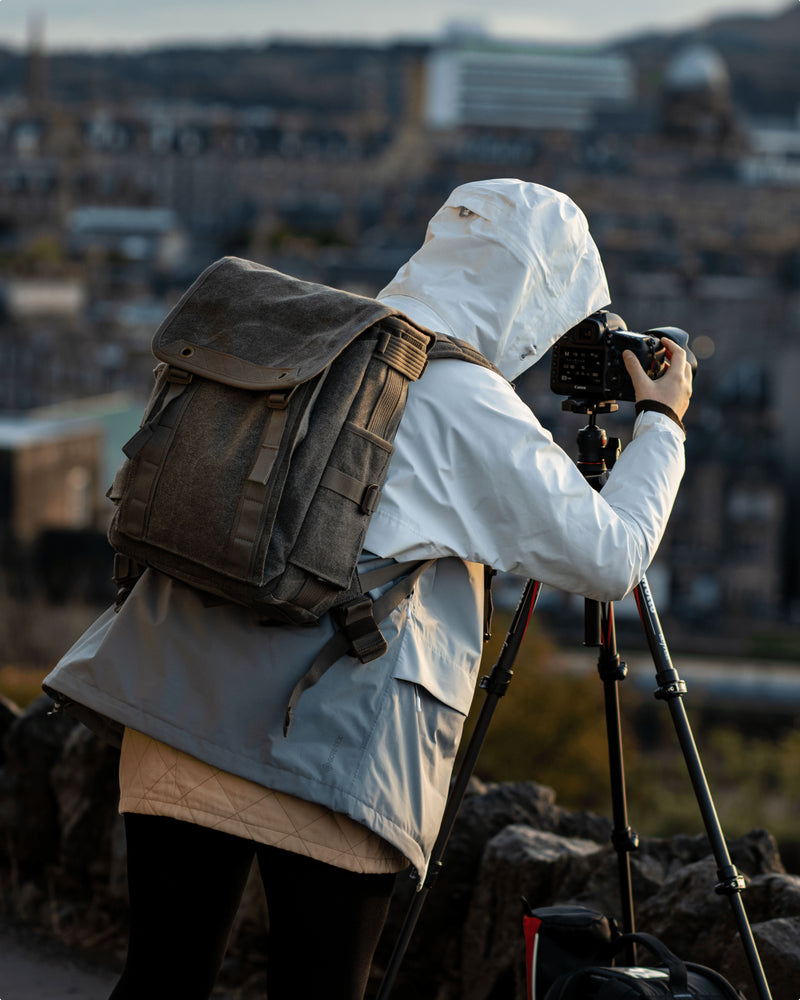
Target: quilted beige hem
157,780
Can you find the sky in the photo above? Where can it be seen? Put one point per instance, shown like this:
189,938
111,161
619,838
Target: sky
100,24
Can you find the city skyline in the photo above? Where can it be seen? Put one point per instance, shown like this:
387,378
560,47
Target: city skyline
76,24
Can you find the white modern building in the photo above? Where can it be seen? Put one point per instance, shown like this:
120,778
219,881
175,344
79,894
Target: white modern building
490,84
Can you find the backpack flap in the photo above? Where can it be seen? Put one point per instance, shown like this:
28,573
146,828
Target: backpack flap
246,325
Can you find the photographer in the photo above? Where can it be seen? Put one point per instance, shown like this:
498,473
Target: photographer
356,790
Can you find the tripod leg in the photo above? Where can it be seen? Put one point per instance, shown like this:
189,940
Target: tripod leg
495,686
612,671
671,689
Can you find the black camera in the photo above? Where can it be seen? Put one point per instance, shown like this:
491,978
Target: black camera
587,361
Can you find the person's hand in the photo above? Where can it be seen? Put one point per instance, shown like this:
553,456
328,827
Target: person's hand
674,388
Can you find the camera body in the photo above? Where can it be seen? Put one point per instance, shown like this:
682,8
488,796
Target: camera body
587,361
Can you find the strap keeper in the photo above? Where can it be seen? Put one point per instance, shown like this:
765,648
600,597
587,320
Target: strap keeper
357,623
369,501
179,376
278,400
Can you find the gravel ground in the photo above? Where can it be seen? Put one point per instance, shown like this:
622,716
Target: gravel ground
32,968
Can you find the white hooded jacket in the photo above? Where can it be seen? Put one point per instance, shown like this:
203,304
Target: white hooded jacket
509,267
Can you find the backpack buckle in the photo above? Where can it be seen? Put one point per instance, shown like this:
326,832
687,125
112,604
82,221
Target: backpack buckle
357,622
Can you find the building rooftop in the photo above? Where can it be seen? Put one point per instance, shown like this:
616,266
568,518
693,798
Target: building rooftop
20,431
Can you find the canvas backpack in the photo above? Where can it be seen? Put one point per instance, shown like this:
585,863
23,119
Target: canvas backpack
264,447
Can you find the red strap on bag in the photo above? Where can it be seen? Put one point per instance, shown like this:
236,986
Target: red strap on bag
530,927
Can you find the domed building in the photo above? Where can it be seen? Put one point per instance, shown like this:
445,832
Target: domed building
696,95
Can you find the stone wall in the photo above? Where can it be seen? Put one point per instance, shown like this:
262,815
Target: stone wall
62,870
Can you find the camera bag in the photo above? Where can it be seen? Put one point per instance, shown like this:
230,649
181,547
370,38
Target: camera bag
571,954
671,979
562,938
265,445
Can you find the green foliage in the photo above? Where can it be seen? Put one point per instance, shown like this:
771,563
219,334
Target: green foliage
285,238
34,634
43,254
21,685
776,644
753,782
550,726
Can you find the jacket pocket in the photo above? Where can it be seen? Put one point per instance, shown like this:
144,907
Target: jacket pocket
433,660
440,683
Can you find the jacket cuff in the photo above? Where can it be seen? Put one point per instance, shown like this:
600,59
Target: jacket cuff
654,404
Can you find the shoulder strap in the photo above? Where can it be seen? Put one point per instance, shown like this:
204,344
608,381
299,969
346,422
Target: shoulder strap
678,980
445,346
358,632
722,984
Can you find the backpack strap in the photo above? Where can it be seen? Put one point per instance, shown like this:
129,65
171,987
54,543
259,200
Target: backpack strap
445,346
488,604
125,573
172,381
358,632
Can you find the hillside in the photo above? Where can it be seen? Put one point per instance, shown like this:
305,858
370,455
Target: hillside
760,52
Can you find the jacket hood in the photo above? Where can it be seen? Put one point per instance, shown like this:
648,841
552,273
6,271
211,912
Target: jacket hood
506,265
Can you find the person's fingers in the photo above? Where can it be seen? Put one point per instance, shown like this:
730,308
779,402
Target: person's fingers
674,387
675,353
637,373
679,370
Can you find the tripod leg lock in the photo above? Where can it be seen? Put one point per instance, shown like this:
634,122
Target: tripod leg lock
730,881
670,690
431,876
625,841
611,668
496,685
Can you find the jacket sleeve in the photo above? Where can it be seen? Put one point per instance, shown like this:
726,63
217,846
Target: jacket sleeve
475,475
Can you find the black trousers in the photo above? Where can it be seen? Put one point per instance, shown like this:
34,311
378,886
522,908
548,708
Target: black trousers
185,885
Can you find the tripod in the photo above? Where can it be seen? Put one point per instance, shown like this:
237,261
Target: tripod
596,456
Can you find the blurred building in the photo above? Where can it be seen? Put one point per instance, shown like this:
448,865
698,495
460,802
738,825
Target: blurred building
136,233
49,473
483,83
327,162
696,94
